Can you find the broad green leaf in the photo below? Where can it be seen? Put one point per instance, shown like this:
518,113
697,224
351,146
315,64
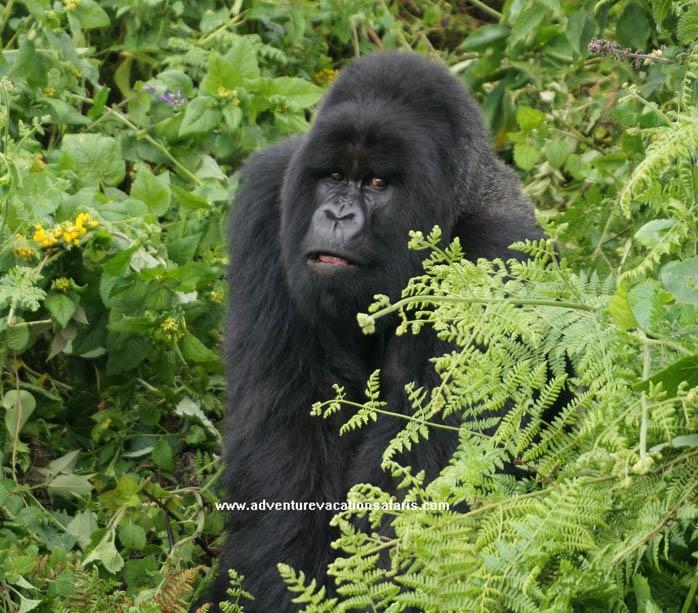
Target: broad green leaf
193,349
529,118
162,455
106,553
526,156
90,15
154,191
685,369
298,94
234,69
202,115
64,463
652,233
19,405
526,24
681,279
556,153
18,336
634,26
62,112
68,485
232,115
484,37
82,526
97,158
60,307
132,536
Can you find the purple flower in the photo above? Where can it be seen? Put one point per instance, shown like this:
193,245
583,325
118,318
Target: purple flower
174,99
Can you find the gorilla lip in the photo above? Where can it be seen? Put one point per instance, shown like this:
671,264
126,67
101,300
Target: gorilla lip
328,259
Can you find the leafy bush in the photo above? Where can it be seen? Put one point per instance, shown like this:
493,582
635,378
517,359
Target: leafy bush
121,127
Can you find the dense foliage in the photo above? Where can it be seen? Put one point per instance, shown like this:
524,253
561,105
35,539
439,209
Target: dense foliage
121,127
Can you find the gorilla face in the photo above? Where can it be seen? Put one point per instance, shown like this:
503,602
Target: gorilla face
361,180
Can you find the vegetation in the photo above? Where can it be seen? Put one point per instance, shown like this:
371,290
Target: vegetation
121,128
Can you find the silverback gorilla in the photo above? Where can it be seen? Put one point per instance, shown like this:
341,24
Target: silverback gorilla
319,227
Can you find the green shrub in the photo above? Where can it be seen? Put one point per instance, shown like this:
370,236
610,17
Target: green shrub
121,128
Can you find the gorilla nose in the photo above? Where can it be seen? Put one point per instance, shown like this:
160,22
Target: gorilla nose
338,221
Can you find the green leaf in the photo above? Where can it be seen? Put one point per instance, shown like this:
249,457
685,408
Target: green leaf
634,26
525,26
298,94
97,158
193,349
69,485
154,191
556,153
82,526
90,15
685,369
162,455
526,156
484,37
232,70
62,112
681,279
529,118
132,536
687,30
18,335
652,233
232,115
106,553
202,115
19,405
60,307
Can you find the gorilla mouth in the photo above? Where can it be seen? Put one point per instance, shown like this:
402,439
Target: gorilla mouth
328,259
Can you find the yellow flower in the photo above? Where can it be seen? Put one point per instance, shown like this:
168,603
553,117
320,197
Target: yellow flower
231,94
62,284
46,240
325,76
71,5
26,253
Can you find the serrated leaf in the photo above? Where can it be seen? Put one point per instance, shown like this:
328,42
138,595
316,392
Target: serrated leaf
162,455
60,307
234,69
529,118
69,485
106,553
526,156
556,153
64,463
132,536
193,349
201,116
154,191
298,94
82,526
97,158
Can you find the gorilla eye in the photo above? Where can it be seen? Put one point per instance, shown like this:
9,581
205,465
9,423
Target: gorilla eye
337,176
377,183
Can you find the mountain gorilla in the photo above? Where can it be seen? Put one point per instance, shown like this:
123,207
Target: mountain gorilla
321,225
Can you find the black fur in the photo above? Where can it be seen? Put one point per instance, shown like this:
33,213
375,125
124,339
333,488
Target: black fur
292,331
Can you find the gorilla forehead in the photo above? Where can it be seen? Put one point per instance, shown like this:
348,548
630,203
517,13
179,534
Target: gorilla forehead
377,136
